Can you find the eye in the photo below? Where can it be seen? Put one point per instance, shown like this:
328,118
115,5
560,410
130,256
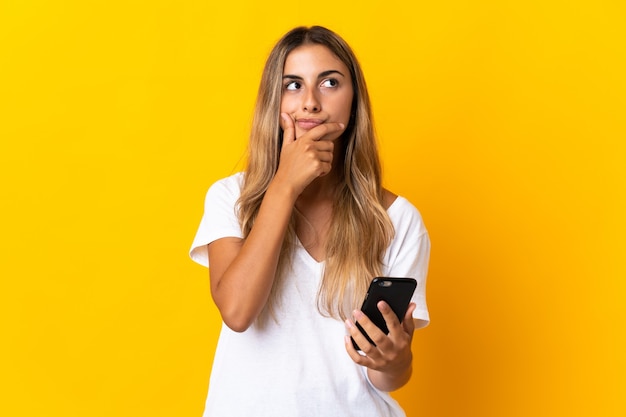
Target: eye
292,85
330,83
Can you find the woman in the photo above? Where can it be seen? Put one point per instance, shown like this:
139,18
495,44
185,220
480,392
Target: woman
294,241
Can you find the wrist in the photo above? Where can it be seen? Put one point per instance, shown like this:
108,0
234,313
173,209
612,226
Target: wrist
282,190
392,377
390,380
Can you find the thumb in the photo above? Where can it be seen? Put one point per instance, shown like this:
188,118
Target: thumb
408,323
289,129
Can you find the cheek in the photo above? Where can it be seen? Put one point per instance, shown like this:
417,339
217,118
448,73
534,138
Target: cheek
347,109
286,105
347,104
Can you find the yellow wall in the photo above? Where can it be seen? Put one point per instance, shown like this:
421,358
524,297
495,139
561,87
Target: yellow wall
503,121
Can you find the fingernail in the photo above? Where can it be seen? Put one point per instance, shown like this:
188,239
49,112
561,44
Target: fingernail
349,324
357,314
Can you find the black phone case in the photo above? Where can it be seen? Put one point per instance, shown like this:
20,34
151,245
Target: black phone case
397,292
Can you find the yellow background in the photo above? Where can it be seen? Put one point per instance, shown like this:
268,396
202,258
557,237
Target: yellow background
502,121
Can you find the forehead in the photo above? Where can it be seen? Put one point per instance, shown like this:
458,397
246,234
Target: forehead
313,59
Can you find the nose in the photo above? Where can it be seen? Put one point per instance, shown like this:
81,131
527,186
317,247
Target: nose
311,102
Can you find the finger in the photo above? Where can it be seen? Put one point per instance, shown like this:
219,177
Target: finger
324,150
408,323
289,129
325,131
360,339
354,354
373,331
391,320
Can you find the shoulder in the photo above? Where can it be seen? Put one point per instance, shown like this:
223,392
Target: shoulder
232,182
404,215
388,198
224,193
229,186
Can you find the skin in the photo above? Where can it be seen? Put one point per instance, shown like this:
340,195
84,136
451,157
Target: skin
317,91
315,108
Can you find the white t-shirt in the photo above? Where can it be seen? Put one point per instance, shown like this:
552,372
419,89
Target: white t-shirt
297,366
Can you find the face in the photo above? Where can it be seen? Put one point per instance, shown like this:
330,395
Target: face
317,88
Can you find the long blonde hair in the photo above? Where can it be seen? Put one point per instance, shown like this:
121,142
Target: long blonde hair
360,228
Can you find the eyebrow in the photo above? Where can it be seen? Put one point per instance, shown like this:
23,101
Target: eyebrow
321,75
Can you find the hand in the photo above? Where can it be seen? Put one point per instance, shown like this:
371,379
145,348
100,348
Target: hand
308,157
392,353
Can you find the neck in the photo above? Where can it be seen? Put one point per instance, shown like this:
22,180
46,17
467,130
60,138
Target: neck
321,188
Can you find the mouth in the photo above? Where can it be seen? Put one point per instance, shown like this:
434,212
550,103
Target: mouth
307,124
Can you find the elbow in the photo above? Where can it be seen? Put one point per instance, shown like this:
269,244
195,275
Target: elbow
238,321
237,313
238,326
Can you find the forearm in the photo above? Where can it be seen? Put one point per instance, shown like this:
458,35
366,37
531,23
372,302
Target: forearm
242,289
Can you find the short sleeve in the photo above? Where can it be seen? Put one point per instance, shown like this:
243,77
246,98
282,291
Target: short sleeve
409,253
220,217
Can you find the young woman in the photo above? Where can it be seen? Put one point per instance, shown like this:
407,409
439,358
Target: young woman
294,241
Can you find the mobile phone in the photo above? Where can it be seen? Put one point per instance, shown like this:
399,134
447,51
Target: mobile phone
397,292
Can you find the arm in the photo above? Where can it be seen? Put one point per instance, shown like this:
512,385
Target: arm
389,362
243,270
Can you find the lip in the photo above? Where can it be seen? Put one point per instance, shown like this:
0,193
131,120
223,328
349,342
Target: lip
307,124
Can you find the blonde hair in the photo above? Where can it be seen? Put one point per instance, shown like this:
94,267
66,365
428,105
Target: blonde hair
360,228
